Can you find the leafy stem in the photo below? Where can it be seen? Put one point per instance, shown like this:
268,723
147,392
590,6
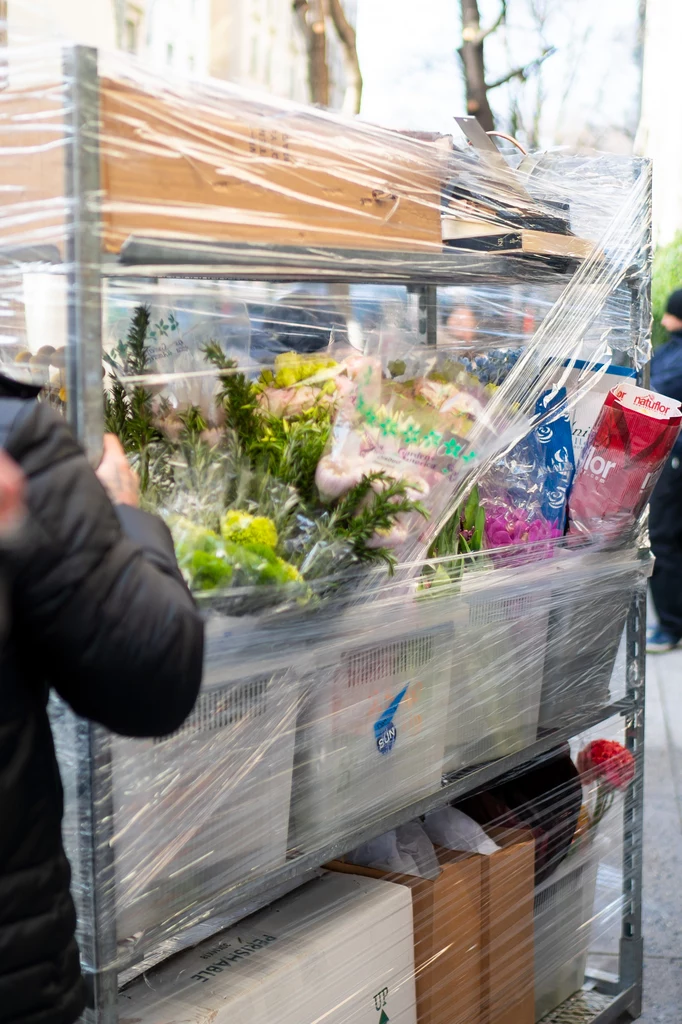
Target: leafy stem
358,519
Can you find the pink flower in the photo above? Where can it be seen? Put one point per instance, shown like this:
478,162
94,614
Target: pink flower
505,526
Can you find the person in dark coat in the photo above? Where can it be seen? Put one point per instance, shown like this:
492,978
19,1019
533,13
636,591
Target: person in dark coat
665,509
99,612
12,514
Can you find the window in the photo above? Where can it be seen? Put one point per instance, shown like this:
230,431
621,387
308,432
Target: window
130,36
169,53
191,62
253,59
268,67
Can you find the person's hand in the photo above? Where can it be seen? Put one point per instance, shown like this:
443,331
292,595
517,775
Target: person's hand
12,489
119,480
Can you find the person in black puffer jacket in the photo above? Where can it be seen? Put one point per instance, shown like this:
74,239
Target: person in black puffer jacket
99,611
12,516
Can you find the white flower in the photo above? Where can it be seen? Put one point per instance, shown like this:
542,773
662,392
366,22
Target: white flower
463,402
335,476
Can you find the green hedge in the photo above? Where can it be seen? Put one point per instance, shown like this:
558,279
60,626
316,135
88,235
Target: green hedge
667,277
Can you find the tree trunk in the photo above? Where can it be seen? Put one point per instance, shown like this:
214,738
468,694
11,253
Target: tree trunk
311,15
318,69
348,38
473,65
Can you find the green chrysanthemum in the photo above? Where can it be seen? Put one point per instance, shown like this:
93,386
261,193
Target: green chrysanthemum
243,528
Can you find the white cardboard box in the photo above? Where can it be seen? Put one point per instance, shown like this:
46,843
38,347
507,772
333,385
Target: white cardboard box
595,380
371,730
339,950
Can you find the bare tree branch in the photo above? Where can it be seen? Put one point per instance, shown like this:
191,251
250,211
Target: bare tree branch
523,72
348,39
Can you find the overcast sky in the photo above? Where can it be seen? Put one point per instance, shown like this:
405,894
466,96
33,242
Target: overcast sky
411,69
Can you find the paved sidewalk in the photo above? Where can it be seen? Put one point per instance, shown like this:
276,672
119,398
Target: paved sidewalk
662,925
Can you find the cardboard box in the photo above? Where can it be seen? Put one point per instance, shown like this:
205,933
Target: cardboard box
337,950
507,936
227,168
197,163
447,937
33,162
595,380
473,926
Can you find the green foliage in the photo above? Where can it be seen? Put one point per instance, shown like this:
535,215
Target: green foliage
291,449
357,519
128,414
462,535
667,277
208,571
137,363
293,368
238,396
116,410
288,449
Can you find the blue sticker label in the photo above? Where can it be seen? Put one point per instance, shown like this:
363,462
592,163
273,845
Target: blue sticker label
385,731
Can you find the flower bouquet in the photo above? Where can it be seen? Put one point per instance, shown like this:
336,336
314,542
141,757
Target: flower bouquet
349,462
525,492
610,766
244,493
427,432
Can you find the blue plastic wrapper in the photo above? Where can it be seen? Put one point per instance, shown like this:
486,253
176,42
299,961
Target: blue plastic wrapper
536,474
554,446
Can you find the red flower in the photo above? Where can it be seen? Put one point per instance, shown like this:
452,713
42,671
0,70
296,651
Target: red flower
609,762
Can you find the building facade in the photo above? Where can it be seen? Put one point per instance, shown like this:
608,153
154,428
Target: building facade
254,43
659,136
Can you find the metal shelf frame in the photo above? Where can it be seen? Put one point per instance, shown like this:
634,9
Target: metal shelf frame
88,268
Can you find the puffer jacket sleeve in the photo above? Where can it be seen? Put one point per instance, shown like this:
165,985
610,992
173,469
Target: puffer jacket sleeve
101,610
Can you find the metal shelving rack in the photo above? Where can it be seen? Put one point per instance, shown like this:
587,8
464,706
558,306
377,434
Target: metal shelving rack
613,1000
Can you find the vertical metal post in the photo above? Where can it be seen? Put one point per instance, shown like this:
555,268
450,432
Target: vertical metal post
632,943
427,298
97,929
83,251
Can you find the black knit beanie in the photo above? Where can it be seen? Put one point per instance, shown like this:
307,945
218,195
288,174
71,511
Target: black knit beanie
674,306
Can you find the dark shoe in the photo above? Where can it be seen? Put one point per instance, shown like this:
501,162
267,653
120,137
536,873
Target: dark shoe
658,641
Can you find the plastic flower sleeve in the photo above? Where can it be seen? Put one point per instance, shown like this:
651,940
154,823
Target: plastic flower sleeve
623,458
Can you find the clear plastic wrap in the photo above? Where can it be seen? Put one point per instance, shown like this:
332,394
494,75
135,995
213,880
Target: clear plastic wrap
480,933
335,355
312,731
